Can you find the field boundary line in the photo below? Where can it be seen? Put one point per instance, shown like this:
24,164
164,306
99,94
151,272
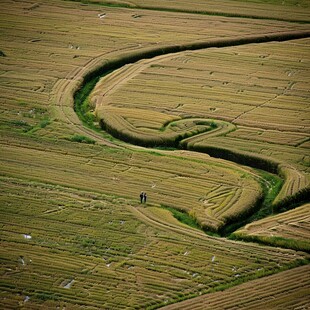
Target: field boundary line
185,11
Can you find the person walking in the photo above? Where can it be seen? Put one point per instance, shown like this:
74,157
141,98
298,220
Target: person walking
141,197
144,197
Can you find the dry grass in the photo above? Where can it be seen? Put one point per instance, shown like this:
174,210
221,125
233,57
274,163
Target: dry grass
92,244
118,255
276,9
243,91
288,227
80,52
184,184
258,294
262,92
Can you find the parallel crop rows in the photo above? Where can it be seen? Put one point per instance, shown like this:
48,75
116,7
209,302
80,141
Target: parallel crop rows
255,295
61,236
290,229
289,10
73,232
169,180
262,92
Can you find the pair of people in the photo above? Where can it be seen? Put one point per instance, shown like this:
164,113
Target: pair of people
143,197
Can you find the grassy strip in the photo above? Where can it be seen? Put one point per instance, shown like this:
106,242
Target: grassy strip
84,111
271,185
268,208
81,103
81,139
183,217
293,244
27,128
241,280
188,11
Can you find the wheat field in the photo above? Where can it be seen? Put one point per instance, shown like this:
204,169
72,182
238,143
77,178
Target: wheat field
74,234
266,100
291,229
256,294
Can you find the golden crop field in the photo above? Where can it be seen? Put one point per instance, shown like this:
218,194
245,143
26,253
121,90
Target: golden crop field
170,180
71,247
262,92
74,234
288,228
273,9
254,295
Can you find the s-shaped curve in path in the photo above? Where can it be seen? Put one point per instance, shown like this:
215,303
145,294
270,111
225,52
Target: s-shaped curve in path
64,90
62,95
140,59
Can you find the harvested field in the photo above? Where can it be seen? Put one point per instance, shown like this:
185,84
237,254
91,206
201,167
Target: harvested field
111,253
226,91
73,232
262,92
258,294
206,188
282,10
288,228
